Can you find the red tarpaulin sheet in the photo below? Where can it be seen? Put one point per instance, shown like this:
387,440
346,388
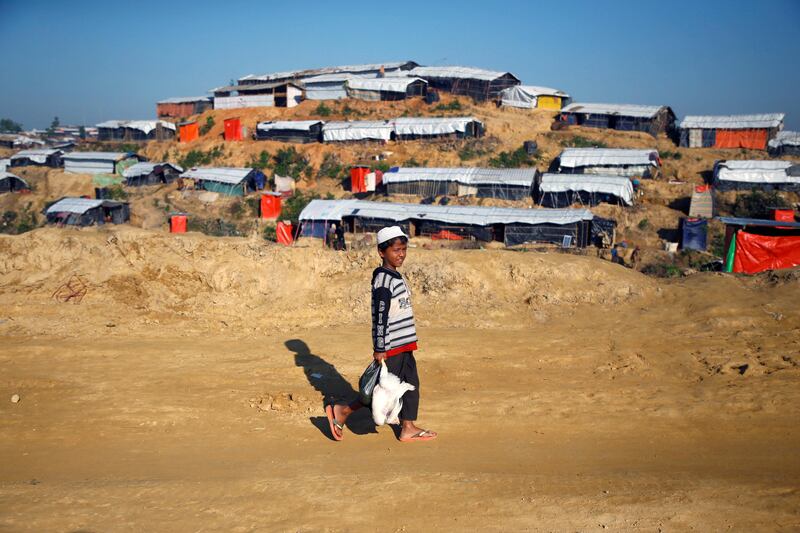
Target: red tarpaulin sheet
284,233
270,206
445,235
756,139
233,129
756,253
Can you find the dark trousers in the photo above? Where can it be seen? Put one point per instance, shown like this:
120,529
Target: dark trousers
404,366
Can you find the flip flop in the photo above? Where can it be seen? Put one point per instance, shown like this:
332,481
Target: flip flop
334,424
422,435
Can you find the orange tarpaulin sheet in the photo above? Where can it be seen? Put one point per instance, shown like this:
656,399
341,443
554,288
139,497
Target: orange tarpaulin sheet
445,235
189,132
756,253
756,139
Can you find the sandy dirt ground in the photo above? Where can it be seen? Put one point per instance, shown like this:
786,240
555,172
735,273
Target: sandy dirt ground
185,392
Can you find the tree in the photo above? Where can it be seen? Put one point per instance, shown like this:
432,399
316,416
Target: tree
10,126
53,125
82,132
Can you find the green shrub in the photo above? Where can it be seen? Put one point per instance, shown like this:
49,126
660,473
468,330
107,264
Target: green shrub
323,110
517,158
116,192
261,162
270,234
197,158
412,162
331,167
662,270
215,227
455,105
581,142
643,224
667,154
293,205
14,222
289,162
205,128
757,204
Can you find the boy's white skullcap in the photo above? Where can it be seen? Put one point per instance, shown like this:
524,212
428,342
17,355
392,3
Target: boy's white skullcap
387,234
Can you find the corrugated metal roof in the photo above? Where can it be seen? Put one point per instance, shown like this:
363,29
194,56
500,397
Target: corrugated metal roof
758,222
185,100
142,169
626,110
74,205
96,156
339,77
299,125
431,125
254,87
733,122
583,157
785,138
474,215
617,185
468,176
389,65
394,84
39,155
219,174
145,126
458,72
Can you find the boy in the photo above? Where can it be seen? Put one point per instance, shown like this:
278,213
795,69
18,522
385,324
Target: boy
394,336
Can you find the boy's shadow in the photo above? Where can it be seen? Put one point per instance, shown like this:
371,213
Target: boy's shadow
333,387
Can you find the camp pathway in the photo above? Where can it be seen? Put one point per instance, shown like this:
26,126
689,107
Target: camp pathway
558,428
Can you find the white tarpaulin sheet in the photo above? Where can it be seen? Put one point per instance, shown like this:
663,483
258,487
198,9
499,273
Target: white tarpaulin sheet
237,102
359,130
756,171
351,69
473,215
525,96
5,175
432,126
232,176
456,72
785,138
37,156
145,126
4,164
620,187
394,85
143,169
468,176
184,100
74,205
584,157
733,122
299,125
625,110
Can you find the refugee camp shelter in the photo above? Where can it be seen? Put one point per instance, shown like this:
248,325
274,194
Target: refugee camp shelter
182,107
730,131
368,69
329,86
86,212
48,157
569,227
189,131
533,97
767,175
755,245
4,163
502,183
650,119
478,84
135,130
608,161
296,131
226,180
11,183
564,190
97,162
410,128
381,89
13,140
358,130
150,173
785,143
271,94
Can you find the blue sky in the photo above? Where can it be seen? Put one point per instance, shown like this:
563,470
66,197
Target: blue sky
88,61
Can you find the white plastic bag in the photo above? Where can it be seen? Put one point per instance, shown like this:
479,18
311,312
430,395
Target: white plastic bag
386,397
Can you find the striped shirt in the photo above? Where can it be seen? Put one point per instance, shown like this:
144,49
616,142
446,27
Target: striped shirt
393,329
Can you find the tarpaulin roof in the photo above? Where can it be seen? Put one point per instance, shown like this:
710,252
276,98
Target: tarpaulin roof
458,72
467,176
6,175
733,122
4,163
219,174
584,157
397,85
536,90
184,100
96,156
327,70
38,155
785,138
142,169
74,205
755,171
619,186
300,125
526,95
626,110
357,130
473,215
432,126
339,77
758,222
145,126
253,87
